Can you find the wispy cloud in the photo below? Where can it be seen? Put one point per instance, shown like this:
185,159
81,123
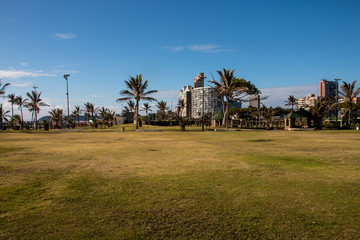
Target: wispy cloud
174,48
62,36
204,48
21,84
14,74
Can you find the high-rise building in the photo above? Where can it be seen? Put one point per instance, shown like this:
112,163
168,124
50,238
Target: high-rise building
254,101
203,100
328,88
185,94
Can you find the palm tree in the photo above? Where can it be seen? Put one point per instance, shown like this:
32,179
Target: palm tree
90,111
3,115
162,108
21,102
348,96
181,105
147,107
104,114
76,112
131,106
291,102
34,104
56,117
3,88
136,90
318,111
12,100
2,92
231,88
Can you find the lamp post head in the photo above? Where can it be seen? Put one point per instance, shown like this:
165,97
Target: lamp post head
66,76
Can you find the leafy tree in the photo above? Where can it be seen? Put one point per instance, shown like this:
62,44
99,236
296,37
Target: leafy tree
291,102
232,89
12,100
136,89
348,96
21,103
34,104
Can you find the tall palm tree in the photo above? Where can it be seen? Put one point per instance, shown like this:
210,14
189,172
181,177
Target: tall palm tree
2,92
12,99
34,104
162,108
3,88
90,111
231,88
147,108
21,102
291,101
76,112
56,116
136,89
348,96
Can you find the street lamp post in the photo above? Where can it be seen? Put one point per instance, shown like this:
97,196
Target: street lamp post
336,100
67,94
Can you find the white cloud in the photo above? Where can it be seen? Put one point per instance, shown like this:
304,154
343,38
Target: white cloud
279,95
14,74
21,84
61,36
174,48
204,48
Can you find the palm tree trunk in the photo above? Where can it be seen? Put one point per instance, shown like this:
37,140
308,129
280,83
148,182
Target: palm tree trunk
35,121
22,119
137,114
349,120
12,110
225,119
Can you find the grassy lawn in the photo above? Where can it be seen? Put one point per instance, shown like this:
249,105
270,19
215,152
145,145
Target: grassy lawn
109,184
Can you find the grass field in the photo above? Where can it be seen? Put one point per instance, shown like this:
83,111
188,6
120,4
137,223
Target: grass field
109,184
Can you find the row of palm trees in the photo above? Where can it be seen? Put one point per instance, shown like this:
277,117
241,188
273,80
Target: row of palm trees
32,103
348,104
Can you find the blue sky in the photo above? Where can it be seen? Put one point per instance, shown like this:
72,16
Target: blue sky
283,47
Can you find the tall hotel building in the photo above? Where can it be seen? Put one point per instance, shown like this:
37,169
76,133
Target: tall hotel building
328,88
199,99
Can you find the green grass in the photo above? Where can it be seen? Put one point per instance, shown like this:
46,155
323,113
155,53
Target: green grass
107,184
